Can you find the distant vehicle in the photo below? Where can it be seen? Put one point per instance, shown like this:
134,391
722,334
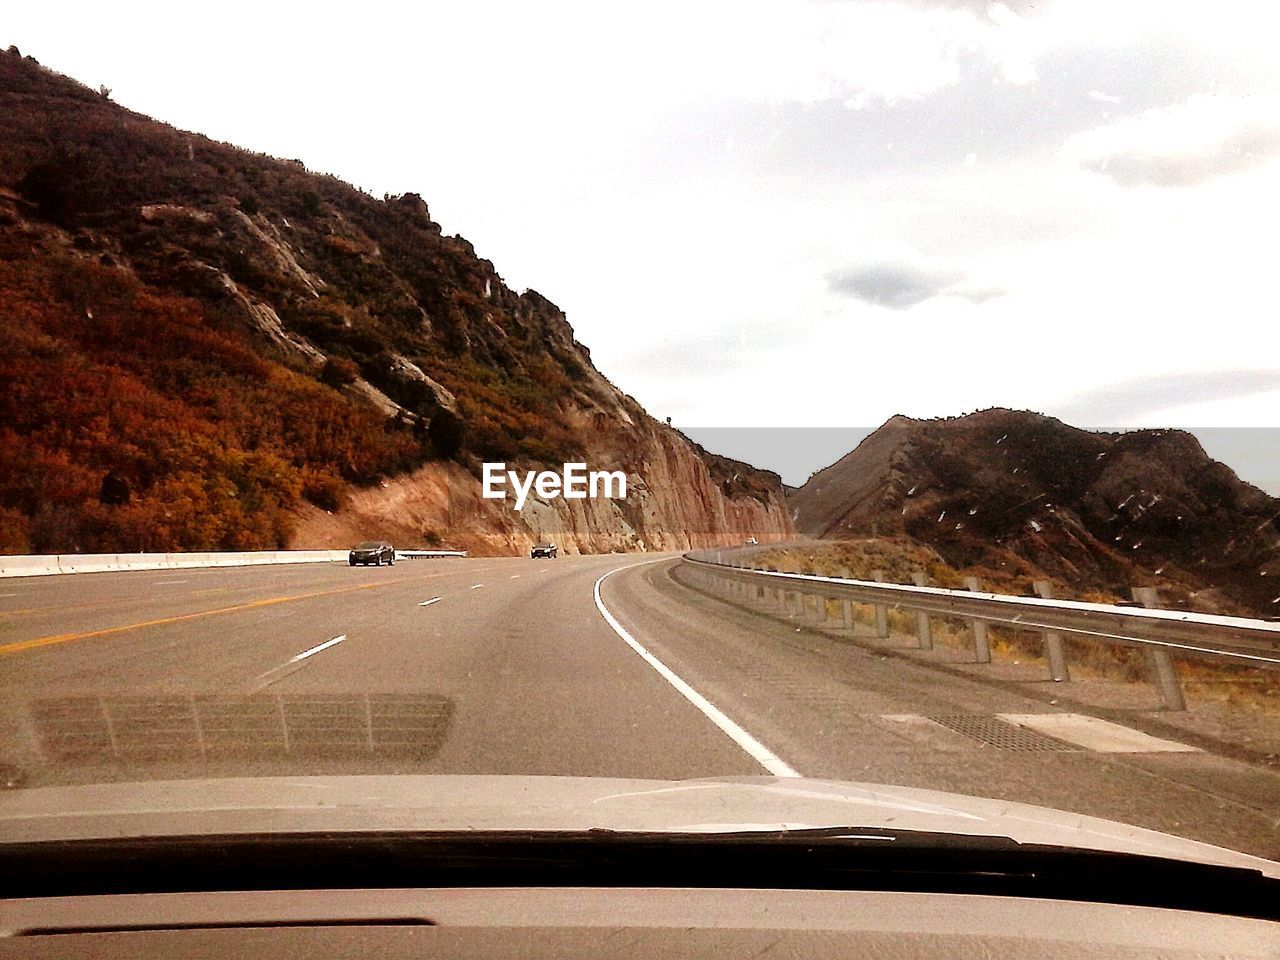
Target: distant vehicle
548,550
750,542
373,551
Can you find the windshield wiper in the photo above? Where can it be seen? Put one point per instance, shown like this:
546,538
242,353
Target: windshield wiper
829,858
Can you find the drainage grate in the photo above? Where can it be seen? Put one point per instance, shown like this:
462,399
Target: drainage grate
999,733
166,727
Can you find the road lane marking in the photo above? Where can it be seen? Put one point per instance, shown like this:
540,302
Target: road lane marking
427,603
1101,736
167,583
514,576
476,586
758,751
261,681
318,647
36,642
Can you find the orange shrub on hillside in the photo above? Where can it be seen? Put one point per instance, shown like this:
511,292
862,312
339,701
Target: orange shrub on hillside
208,445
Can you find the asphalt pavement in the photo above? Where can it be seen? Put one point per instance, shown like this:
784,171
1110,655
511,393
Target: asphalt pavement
607,665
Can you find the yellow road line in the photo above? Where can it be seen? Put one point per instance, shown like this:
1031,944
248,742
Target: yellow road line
117,601
35,642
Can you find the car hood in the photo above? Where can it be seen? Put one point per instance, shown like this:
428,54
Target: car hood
518,803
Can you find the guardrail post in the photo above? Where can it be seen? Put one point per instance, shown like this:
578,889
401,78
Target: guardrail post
981,645
1053,648
1166,675
882,612
924,635
824,607
846,606
778,595
787,597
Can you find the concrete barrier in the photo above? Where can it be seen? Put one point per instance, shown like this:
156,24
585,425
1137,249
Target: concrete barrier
87,562
29,566
47,565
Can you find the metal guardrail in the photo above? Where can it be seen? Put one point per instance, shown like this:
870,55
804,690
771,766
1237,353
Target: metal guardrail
1161,634
428,554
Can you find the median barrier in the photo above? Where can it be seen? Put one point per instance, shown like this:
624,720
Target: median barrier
29,566
66,563
87,562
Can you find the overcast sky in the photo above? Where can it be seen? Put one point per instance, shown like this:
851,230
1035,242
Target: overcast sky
770,214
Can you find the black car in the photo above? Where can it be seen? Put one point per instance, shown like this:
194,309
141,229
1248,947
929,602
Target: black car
373,551
548,550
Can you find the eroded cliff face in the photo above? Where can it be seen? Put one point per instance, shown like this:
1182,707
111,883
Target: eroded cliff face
673,502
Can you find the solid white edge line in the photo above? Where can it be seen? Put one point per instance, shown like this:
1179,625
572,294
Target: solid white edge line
758,751
427,603
316,649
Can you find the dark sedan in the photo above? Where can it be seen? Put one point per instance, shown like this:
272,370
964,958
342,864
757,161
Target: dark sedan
373,551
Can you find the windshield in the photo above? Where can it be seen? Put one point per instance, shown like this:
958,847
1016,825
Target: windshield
742,400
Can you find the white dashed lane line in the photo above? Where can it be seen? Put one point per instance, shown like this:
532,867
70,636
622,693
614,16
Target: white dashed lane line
514,576
427,603
476,586
316,649
275,673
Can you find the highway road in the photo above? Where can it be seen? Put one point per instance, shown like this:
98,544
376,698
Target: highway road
589,666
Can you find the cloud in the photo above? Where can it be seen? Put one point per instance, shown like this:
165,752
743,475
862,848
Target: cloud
904,283
1204,137
978,295
987,8
1116,404
888,284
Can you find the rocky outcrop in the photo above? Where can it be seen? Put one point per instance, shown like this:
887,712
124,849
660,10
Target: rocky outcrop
409,373
262,319
673,503
1099,510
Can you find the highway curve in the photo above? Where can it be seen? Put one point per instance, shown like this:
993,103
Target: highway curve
586,666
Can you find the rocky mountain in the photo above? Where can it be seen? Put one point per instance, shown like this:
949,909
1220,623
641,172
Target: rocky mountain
211,348
1104,511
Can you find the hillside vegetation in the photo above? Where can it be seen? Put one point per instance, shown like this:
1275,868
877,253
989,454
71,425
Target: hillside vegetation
202,341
